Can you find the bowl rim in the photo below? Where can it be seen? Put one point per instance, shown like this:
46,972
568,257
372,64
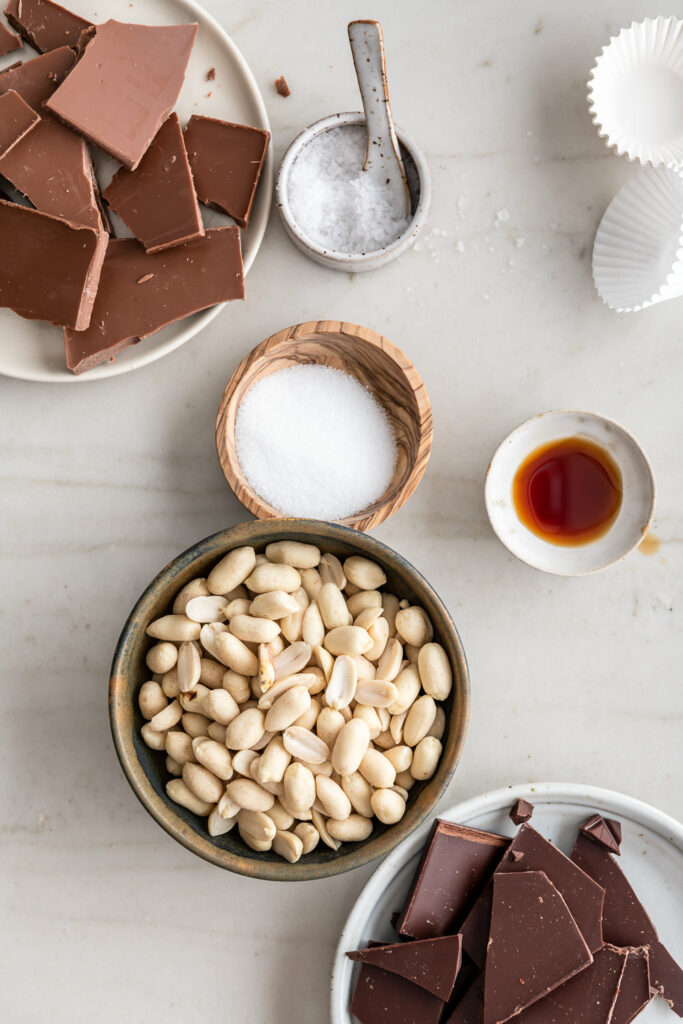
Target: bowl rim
158,807
265,351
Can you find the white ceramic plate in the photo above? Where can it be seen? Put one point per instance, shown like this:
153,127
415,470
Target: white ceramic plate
651,856
33,350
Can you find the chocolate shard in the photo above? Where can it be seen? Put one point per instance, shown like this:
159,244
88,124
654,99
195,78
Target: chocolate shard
582,894
226,161
433,964
635,992
157,200
45,25
535,944
604,831
381,997
17,119
9,41
49,268
125,86
140,293
36,79
625,921
471,1006
455,866
521,811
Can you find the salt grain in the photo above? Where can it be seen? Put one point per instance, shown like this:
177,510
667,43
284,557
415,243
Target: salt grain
313,442
334,202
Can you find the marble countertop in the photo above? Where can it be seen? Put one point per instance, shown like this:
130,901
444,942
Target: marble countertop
104,917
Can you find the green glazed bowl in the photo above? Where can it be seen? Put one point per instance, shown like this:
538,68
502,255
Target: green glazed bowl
145,768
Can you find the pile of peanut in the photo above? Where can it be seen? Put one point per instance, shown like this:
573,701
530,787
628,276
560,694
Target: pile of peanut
294,699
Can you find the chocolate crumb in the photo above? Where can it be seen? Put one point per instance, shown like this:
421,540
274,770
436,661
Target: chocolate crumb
521,811
210,74
281,86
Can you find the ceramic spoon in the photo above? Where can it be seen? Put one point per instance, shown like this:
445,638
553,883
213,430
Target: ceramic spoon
382,157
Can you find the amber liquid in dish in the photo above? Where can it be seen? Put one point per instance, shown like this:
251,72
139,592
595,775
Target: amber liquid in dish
568,491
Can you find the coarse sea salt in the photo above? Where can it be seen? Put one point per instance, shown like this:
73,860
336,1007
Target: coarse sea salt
313,442
335,203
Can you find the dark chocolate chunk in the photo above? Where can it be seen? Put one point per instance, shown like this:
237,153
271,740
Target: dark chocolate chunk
535,944
49,268
634,992
580,892
587,998
9,41
226,161
605,831
521,811
475,928
455,866
17,119
625,921
141,293
471,1006
381,997
157,200
125,86
433,964
281,86
44,24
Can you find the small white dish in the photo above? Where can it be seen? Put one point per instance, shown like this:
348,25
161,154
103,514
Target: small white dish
635,92
633,518
638,248
651,857
419,186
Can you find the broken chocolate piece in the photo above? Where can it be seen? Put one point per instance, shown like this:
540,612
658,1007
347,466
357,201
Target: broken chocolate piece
475,928
44,24
185,279
125,86
604,831
587,998
9,41
226,161
157,200
36,79
49,267
381,997
535,944
455,866
17,119
433,964
470,1007
625,921
580,892
281,86
521,811
634,992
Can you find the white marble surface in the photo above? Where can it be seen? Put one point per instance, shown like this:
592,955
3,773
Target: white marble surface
104,917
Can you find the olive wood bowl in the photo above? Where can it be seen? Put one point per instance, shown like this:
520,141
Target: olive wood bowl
371,359
145,768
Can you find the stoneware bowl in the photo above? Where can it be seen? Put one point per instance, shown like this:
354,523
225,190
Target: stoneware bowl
145,768
419,185
378,365
634,516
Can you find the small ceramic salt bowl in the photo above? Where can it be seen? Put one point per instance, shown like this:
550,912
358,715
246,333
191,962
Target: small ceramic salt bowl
637,504
419,186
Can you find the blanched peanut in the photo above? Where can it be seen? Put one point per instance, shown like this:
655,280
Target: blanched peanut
341,688
389,665
245,730
207,636
419,720
211,608
328,725
293,552
384,741
195,588
311,582
413,625
350,746
288,845
348,640
389,610
195,724
216,731
401,758
396,727
362,600
269,576
214,756
384,718
211,673
411,653
275,604
257,823
403,793
324,661
162,657
312,627
236,685
353,829
309,836
267,699
181,794
273,762
366,670
174,627
167,717
242,762
305,745
203,783
371,719
407,684
332,607
169,684
299,784
152,737
405,780
334,800
363,573
227,808
249,795
376,693
189,667
287,709
218,825
194,700
151,699
293,659
173,768
282,818
319,683
179,747
331,571
258,845
359,792
388,805
439,725
321,826
367,618
435,671
377,769
379,634
232,570
230,650
292,625
425,758
251,630
241,606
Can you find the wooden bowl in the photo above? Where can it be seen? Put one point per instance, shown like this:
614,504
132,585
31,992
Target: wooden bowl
145,768
371,359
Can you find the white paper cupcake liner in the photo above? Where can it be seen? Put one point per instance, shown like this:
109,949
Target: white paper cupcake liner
635,92
638,248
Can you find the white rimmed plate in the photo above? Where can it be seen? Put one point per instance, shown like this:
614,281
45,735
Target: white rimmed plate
651,856
33,350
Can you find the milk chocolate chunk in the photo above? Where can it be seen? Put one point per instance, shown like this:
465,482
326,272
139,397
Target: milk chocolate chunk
381,997
157,200
456,864
36,79
521,811
604,831
226,161
125,86
433,964
44,24
141,293
49,268
625,921
16,120
9,41
535,944
582,894
281,86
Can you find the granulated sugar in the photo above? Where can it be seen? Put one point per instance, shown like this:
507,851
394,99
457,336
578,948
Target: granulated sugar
313,442
334,202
